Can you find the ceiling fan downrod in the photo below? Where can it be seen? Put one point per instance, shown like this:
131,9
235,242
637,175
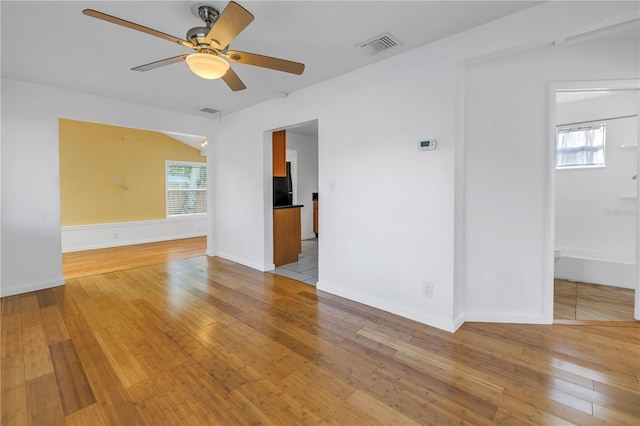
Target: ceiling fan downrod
197,35
208,14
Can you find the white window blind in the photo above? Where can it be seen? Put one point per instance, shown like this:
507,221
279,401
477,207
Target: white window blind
186,188
582,146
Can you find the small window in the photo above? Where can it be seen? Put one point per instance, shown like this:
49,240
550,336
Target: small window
186,188
580,146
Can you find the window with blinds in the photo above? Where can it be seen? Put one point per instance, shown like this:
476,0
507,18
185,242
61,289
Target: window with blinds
582,146
186,188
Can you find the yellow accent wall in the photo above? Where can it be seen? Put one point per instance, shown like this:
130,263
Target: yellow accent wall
114,174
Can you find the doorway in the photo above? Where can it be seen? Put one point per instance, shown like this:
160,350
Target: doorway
593,217
302,154
126,187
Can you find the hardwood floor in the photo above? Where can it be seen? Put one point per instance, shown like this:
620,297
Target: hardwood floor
207,341
91,262
591,302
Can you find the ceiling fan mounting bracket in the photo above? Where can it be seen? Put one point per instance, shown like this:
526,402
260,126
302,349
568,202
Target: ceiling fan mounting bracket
208,14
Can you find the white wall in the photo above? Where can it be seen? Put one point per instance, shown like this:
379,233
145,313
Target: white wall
507,168
595,214
307,179
31,233
378,174
391,222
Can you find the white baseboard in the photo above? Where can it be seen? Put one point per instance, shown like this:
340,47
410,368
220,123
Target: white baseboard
104,235
458,321
445,324
596,271
506,317
26,288
245,262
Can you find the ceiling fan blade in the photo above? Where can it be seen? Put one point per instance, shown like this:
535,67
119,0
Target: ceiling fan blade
233,19
160,63
133,26
265,62
233,81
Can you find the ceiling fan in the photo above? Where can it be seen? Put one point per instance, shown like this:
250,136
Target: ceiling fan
211,45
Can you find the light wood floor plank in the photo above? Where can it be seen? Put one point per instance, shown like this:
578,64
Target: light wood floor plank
123,362
152,406
37,361
54,327
205,341
591,302
13,390
90,415
90,262
108,390
30,310
604,303
377,411
11,345
73,386
616,417
565,294
14,405
43,401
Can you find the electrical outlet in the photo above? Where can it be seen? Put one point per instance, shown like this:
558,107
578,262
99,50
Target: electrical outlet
427,289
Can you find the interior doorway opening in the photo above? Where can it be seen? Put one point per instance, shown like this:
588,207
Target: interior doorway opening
298,187
593,219
124,189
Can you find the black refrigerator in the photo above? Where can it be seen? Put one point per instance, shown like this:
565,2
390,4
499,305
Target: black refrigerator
283,189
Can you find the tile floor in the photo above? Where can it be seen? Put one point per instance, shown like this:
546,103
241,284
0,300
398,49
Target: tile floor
306,268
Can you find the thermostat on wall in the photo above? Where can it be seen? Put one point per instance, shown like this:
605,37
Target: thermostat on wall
427,144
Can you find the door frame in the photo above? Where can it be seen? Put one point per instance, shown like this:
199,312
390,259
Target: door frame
269,265
550,232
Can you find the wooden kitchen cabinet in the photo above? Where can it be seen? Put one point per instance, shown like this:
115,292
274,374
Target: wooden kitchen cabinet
287,234
315,217
279,142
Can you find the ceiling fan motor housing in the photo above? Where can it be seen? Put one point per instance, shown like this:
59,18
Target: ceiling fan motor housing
198,35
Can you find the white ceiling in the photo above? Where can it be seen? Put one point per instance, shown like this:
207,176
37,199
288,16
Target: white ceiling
53,43
191,140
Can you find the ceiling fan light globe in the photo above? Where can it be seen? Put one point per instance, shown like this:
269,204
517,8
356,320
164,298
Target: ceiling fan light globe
207,65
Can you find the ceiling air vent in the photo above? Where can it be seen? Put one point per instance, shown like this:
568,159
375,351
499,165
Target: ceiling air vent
381,43
209,110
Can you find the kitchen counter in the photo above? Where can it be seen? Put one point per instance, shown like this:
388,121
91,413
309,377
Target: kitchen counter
293,206
287,233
